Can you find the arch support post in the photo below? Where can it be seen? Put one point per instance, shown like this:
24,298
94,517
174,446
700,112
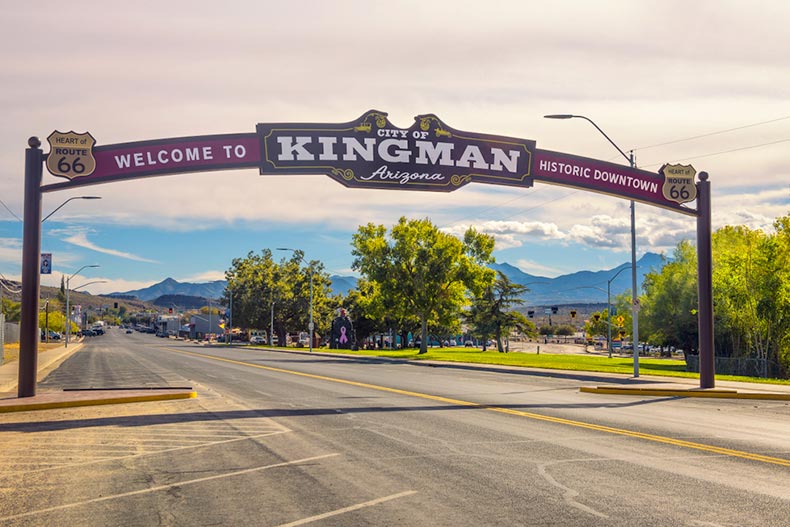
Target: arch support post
31,260
705,284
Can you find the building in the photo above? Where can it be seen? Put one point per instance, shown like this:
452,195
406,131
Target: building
201,325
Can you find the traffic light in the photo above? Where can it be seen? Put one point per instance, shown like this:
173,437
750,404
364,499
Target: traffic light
573,314
170,310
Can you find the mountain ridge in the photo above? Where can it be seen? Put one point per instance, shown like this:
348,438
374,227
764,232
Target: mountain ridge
579,287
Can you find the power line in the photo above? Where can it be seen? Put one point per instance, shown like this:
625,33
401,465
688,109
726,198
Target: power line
713,133
9,210
726,151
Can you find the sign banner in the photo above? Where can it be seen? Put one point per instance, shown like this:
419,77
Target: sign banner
372,153
168,156
46,263
605,178
369,152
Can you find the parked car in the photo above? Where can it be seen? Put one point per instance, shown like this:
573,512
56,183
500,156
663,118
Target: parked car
257,339
129,331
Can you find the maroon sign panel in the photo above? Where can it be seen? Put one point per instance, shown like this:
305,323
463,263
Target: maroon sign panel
603,177
169,156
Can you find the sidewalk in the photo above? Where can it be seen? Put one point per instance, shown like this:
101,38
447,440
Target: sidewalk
48,361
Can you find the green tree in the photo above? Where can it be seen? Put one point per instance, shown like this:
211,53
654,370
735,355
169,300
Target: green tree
259,283
668,309
492,311
598,324
750,284
62,291
422,271
11,310
564,330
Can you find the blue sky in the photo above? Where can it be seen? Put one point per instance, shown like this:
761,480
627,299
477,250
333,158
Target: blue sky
704,83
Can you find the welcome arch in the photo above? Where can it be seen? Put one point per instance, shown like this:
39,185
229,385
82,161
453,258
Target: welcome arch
369,152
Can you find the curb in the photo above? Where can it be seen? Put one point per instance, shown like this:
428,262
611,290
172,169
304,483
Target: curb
73,403
664,392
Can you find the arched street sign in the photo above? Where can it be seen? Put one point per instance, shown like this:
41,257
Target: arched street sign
368,152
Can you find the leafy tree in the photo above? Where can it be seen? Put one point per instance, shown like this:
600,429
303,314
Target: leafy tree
669,306
11,310
564,330
62,290
259,283
750,284
422,271
598,324
492,311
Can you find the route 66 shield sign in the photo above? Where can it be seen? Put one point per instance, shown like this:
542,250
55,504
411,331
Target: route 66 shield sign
679,183
71,154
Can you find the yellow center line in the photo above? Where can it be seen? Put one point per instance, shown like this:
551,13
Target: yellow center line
546,418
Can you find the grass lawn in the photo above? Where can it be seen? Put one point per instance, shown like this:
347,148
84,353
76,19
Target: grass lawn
590,363
11,350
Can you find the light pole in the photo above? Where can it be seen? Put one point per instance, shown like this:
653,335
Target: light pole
61,205
68,313
271,325
634,296
310,326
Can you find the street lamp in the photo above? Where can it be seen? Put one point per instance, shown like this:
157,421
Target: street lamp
61,205
68,313
311,325
634,299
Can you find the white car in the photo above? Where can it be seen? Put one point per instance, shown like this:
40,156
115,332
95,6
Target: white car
257,339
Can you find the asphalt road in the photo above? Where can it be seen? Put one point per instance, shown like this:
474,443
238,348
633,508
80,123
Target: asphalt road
297,439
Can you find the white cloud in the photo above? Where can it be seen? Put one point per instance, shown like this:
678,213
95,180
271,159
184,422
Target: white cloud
80,239
11,250
536,268
107,284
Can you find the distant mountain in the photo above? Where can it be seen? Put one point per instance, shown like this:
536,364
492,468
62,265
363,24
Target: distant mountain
168,286
342,284
181,301
581,286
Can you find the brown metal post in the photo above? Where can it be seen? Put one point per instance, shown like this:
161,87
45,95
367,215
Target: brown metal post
705,284
31,280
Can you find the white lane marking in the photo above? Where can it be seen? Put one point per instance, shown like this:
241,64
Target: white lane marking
165,487
344,510
160,451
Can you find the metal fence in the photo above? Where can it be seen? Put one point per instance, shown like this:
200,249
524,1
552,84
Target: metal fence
745,366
